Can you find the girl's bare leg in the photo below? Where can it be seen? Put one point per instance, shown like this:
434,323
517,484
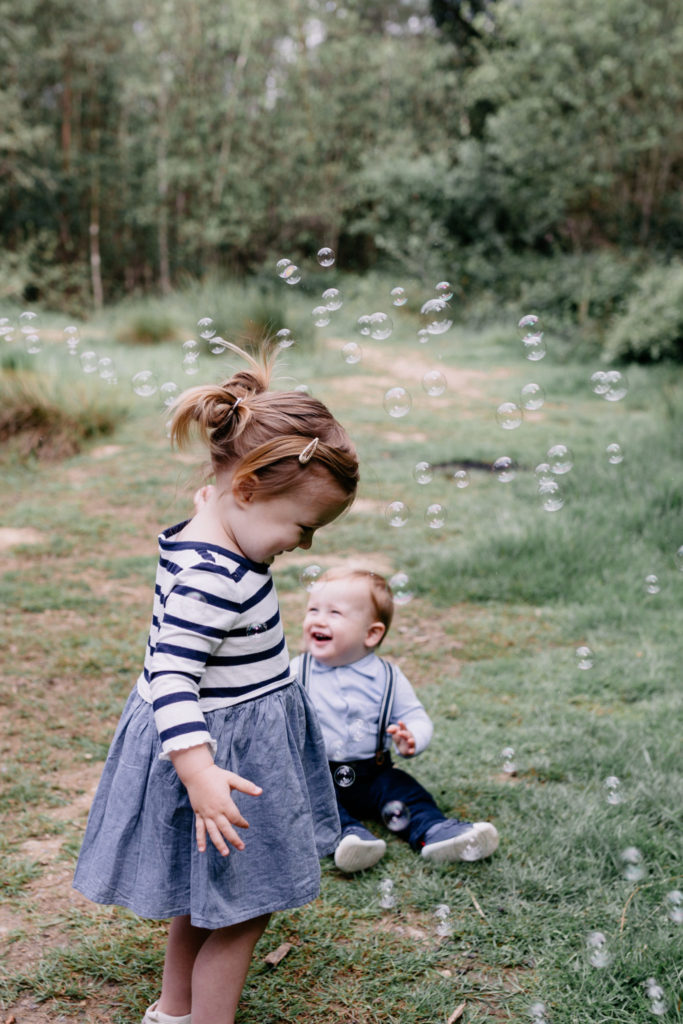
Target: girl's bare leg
184,943
204,971
220,969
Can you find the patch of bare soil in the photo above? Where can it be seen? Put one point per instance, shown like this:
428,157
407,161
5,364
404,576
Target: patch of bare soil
14,537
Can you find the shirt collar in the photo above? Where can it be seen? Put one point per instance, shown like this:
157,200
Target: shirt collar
364,666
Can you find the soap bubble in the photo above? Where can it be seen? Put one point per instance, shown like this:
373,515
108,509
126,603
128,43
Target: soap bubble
423,473
27,322
217,345
544,473
321,316
206,328
653,989
169,391
284,338
534,347
397,402
584,658
423,336
537,1013
352,352
471,851
599,382
560,459
509,766
617,386
291,274
444,926
598,953
549,494
435,516
395,815
674,901
254,628
400,588
326,257
633,859
436,316
387,900
282,265
509,415
32,344
106,369
144,383
532,396
191,365
678,558
303,389
503,469
381,326
529,324
332,298
613,788
434,383
444,290
461,478
6,327
309,575
398,296
652,584
345,776
531,333
614,454
397,513
89,362
363,325
72,338
190,350
357,729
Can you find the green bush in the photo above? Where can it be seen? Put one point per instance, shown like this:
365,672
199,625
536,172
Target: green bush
651,328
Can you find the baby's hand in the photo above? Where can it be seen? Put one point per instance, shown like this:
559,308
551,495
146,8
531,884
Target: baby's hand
215,810
404,740
202,496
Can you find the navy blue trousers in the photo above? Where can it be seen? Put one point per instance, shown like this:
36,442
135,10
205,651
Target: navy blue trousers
374,786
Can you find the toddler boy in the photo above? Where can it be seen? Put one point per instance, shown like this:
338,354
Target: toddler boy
363,703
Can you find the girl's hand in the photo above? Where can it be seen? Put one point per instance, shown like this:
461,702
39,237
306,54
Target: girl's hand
215,810
404,741
208,788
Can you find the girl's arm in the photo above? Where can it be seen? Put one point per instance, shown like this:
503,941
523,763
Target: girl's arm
208,788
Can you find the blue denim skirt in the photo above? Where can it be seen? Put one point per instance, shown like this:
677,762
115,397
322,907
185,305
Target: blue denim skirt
140,850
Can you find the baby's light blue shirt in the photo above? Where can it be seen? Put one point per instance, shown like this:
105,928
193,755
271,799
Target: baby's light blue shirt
347,700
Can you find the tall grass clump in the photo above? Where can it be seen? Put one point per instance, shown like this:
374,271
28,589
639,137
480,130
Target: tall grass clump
43,416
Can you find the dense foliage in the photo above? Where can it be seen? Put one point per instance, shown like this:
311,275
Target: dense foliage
146,142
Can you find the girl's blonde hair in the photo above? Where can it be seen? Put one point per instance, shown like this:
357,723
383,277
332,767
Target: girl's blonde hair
260,434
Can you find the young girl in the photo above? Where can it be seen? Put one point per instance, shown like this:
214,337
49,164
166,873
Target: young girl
216,731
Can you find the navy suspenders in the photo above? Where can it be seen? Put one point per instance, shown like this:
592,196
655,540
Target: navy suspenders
385,707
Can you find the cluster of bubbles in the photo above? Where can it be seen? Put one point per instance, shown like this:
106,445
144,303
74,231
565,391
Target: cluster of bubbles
26,330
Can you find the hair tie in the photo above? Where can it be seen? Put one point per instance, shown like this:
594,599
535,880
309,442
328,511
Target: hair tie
309,451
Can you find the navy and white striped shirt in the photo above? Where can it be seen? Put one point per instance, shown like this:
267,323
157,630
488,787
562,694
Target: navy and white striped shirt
216,637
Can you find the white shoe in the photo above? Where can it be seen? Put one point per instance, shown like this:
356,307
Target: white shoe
448,841
357,854
154,1016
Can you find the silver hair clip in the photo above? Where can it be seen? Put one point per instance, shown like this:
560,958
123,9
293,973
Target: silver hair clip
309,451
234,405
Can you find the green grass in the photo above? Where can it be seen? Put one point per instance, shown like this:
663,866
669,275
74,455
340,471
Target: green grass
504,594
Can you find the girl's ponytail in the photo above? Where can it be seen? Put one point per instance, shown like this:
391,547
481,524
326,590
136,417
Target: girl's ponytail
260,433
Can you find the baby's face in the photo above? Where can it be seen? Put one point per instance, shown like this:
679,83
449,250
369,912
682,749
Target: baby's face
339,620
